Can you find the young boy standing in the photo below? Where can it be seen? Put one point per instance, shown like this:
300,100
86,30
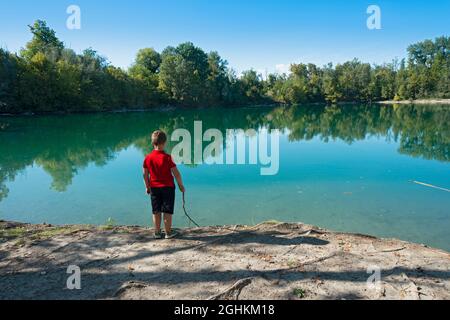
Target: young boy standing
159,170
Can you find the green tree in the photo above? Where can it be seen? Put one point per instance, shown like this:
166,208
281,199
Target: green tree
330,85
217,83
147,61
46,77
354,79
9,69
251,86
44,40
183,74
145,73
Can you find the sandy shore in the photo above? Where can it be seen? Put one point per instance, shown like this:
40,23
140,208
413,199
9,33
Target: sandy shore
419,101
267,261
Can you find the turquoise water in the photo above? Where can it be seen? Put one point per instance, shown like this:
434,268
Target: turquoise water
346,168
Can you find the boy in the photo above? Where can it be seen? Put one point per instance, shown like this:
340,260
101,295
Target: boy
159,170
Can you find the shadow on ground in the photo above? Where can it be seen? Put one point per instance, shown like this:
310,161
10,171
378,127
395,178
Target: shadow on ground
127,262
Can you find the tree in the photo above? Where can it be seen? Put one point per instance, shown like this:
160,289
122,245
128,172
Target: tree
44,40
9,69
183,74
145,73
299,82
147,61
47,77
217,81
330,85
429,68
353,80
251,86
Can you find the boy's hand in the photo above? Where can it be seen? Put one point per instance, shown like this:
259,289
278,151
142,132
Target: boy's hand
182,189
149,191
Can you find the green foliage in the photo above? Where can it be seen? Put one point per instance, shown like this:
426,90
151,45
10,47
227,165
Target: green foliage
110,224
47,77
184,73
9,70
251,86
299,293
147,62
426,75
44,40
24,234
218,87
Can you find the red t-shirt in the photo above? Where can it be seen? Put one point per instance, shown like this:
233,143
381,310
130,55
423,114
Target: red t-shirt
159,164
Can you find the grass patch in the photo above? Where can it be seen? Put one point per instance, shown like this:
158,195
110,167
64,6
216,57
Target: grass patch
110,224
272,222
292,263
52,232
299,293
23,234
105,228
12,233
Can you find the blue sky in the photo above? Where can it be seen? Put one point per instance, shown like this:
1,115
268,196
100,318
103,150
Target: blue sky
259,34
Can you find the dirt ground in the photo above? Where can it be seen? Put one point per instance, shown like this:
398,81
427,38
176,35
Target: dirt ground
267,261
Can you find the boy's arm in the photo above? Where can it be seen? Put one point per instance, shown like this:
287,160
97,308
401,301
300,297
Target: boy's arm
146,175
177,176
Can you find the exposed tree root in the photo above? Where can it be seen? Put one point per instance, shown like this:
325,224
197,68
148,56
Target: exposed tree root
233,292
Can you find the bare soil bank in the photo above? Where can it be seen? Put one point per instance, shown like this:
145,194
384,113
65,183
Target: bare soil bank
267,261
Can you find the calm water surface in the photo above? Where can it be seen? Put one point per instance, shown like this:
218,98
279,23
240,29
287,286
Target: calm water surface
345,168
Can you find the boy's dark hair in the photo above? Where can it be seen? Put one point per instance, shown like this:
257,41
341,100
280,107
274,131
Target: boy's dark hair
158,137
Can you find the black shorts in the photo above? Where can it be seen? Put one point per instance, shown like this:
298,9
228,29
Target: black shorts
163,200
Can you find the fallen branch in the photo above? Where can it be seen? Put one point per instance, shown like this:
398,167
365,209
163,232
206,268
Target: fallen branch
430,186
392,250
302,264
310,262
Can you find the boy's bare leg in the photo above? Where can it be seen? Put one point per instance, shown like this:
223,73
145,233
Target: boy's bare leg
157,221
168,223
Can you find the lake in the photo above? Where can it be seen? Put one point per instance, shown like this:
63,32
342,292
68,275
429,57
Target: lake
347,168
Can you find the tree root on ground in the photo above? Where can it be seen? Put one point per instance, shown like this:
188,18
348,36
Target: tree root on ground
234,291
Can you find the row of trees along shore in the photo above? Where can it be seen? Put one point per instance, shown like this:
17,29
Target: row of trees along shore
45,76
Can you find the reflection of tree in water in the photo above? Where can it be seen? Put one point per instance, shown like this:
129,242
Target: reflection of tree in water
421,131
64,169
424,132
63,145
5,175
347,123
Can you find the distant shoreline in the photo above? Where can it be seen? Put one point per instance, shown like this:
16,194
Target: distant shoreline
159,109
174,107
418,101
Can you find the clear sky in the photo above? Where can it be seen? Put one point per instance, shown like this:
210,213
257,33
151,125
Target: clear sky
259,34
